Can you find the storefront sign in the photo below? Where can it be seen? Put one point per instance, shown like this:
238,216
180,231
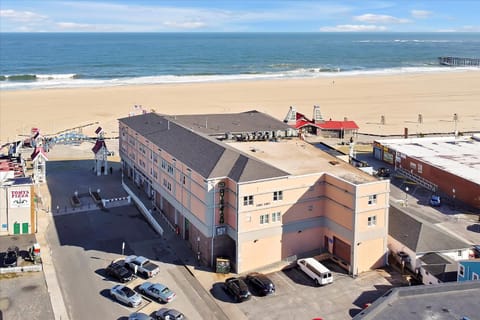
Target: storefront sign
19,198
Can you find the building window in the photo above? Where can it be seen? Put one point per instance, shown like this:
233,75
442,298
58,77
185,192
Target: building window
276,217
167,185
461,271
372,199
459,253
170,169
248,201
278,195
372,221
164,164
155,157
475,276
264,219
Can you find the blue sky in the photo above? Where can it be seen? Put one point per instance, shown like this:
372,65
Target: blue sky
239,16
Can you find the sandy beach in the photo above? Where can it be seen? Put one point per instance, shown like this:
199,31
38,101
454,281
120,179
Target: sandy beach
364,99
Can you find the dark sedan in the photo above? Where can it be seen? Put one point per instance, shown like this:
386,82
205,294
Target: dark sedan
11,257
119,272
238,289
260,283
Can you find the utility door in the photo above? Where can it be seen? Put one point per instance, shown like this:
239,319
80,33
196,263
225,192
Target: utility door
16,228
25,227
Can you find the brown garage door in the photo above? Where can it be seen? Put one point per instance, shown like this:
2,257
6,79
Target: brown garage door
341,249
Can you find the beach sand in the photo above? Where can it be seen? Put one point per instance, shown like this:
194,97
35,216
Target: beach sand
364,99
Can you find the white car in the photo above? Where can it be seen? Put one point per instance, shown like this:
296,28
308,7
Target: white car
126,295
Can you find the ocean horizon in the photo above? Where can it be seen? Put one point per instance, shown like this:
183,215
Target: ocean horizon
70,60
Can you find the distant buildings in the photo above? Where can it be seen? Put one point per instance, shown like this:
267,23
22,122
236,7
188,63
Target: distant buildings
449,165
244,187
318,126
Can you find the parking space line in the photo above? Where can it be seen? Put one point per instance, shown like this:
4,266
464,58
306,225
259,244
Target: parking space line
281,275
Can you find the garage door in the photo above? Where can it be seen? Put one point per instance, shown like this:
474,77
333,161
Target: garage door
341,249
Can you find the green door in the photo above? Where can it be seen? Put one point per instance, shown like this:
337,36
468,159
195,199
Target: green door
16,228
25,227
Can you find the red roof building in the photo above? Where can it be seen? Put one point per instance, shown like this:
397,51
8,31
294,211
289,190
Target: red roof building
318,126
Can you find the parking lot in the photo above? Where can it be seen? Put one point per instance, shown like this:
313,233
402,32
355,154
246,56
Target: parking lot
297,296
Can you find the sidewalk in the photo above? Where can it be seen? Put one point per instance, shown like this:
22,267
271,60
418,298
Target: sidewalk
56,298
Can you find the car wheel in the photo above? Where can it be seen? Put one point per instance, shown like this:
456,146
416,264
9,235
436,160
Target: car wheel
130,305
317,283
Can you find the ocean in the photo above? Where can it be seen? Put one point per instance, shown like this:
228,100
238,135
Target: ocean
57,60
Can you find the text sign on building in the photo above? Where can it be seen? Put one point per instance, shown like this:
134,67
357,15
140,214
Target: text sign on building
19,198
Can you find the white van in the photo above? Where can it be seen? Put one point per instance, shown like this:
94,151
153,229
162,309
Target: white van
315,270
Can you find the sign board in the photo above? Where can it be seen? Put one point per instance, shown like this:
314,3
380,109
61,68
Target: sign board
223,265
19,198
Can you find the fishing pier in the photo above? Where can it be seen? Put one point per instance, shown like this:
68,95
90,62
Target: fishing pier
459,62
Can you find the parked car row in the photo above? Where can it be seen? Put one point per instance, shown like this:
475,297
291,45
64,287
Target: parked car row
125,271
239,290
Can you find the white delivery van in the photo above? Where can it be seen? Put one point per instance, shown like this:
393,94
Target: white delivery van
315,270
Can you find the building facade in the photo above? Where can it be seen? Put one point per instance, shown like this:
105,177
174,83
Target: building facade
468,270
17,208
448,165
244,187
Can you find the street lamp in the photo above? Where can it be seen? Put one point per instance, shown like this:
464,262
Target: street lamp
453,193
198,248
406,196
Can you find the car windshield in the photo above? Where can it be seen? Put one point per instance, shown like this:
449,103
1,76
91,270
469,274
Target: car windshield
165,290
128,292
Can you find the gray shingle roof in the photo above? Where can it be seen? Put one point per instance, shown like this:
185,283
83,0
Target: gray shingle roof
215,124
205,155
418,236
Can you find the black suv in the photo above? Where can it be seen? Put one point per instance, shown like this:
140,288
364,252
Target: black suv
260,283
11,257
119,272
238,289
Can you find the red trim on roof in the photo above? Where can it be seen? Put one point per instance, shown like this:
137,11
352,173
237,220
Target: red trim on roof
38,151
338,125
98,145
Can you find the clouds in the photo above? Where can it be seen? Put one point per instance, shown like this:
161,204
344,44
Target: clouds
379,19
420,14
227,16
353,28
21,16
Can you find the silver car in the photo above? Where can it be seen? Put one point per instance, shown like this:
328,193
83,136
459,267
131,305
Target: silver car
126,295
157,291
169,314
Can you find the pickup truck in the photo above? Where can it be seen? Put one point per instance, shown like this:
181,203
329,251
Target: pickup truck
142,266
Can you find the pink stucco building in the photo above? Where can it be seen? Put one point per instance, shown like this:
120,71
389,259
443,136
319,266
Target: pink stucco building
245,187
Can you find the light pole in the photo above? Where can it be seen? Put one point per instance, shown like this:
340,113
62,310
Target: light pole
453,193
406,196
198,249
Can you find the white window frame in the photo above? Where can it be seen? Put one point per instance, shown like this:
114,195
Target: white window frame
372,221
248,200
372,199
276,216
277,195
461,271
475,276
264,218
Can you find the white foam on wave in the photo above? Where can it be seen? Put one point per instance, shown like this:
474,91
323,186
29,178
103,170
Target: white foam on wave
55,76
71,82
